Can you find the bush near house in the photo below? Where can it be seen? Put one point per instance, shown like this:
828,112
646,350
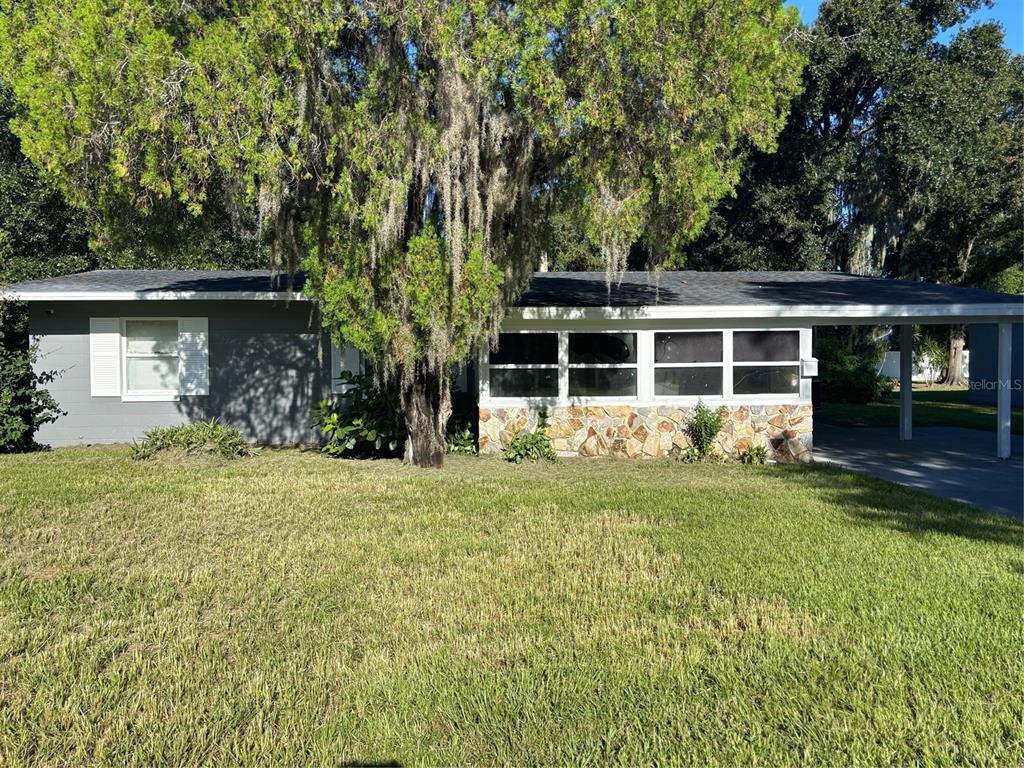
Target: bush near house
531,445
25,404
202,437
703,428
849,373
366,421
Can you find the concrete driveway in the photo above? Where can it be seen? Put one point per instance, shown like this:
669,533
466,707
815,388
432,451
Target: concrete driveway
950,462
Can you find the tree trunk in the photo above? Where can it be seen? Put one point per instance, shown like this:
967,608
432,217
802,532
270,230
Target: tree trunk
427,402
954,372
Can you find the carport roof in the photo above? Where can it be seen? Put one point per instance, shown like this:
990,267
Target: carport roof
827,297
646,289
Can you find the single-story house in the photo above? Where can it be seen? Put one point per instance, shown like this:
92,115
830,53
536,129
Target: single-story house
618,367
984,360
925,370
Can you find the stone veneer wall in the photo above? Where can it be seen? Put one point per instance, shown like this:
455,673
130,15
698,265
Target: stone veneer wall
653,432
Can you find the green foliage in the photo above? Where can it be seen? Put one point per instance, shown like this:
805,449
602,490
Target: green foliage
703,428
902,155
25,404
533,445
366,421
463,424
690,456
1009,280
932,350
754,454
201,437
407,155
461,438
40,234
848,373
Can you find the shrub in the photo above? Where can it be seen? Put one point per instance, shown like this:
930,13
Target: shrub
754,454
461,438
365,422
532,445
703,428
1010,280
462,426
930,352
24,403
850,374
689,455
201,437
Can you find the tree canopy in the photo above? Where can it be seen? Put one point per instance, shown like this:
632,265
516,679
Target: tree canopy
407,153
902,156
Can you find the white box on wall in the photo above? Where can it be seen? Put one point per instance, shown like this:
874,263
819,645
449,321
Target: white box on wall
809,367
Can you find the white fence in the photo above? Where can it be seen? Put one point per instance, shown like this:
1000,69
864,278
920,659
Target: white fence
923,371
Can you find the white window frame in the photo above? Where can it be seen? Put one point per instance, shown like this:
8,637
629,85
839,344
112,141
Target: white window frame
341,359
152,396
765,398
645,366
563,339
563,355
723,364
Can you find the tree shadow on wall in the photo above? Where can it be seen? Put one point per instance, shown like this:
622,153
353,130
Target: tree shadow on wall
265,385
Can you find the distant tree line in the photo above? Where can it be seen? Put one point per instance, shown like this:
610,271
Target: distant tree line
902,157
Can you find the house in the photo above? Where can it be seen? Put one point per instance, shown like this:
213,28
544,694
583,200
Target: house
617,366
984,376
926,371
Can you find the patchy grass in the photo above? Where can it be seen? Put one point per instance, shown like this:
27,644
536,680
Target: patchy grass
293,609
933,407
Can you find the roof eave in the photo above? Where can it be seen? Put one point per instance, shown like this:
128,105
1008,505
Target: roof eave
816,313
39,296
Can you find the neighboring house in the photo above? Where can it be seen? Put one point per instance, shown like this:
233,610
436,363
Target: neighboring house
618,367
984,377
925,372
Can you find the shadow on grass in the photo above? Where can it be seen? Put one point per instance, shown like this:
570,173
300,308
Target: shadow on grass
871,501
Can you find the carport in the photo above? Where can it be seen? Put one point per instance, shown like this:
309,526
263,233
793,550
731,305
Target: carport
904,304
584,300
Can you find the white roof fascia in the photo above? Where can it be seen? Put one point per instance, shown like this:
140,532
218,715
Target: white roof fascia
154,295
839,312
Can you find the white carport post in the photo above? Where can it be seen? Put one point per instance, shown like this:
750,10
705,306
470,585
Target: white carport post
906,382
1003,391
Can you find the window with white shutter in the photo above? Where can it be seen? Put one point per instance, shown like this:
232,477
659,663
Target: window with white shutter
104,356
149,358
194,351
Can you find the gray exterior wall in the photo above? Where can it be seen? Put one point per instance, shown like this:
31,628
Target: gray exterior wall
983,341
269,364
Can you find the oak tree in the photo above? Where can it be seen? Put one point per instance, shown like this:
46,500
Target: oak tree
406,153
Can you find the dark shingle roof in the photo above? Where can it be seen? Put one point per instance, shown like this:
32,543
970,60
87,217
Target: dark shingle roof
159,280
646,289
569,289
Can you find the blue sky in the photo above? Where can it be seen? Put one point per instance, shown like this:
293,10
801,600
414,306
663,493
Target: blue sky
1009,13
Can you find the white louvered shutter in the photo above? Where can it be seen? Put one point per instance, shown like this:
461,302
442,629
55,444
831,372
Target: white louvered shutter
346,359
194,355
104,357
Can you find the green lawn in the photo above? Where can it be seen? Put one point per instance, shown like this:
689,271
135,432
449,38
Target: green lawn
933,407
290,609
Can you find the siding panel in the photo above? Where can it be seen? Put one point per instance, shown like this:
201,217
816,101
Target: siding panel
267,369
